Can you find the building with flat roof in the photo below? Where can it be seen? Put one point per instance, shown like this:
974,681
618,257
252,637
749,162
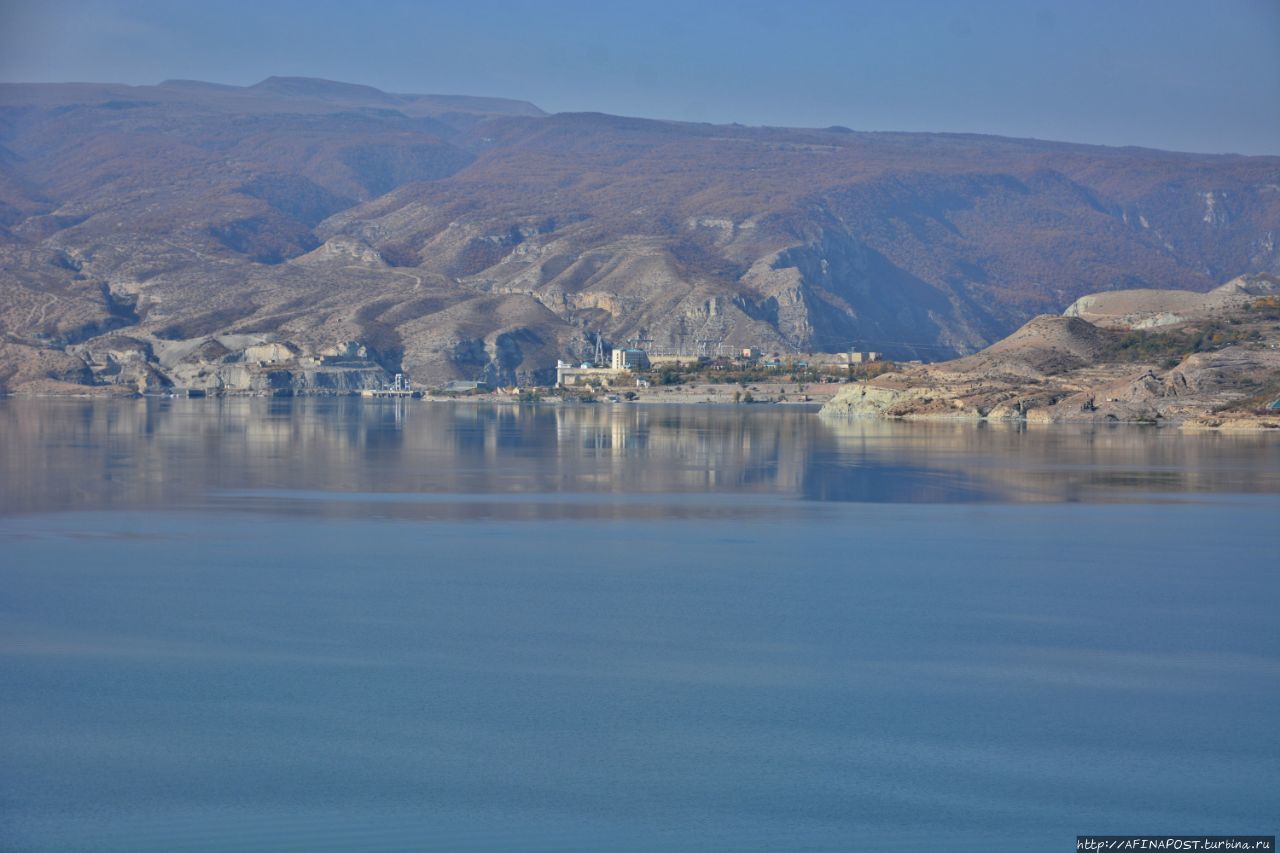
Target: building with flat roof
568,374
629,359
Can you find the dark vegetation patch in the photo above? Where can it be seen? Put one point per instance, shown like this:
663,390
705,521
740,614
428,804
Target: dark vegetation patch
403,312
127,105
381,337
400,254
1265,392
120,306
264,239
554,266
64,261
40,227
208,352
730,371
85,331
469,352
296,197
579,271
269,323
380,168
9,215
1169,348
1264,308
481,253
698,255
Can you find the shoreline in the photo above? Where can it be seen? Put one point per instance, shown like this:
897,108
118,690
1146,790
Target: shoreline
1209,422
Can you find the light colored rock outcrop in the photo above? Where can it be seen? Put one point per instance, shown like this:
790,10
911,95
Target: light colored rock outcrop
1149,309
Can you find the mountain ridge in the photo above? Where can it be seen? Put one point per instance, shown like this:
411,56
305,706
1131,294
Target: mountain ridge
426,227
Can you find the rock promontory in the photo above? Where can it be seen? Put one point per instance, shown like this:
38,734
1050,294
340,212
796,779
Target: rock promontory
1143,356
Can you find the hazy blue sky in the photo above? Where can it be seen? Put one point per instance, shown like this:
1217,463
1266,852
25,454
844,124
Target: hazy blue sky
1197,76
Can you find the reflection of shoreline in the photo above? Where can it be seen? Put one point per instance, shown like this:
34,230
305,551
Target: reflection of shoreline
62,454
67,454
1073,462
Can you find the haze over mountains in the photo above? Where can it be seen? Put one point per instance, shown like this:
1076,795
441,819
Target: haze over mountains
460,237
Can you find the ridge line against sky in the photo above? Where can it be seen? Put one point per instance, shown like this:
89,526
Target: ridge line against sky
1166,74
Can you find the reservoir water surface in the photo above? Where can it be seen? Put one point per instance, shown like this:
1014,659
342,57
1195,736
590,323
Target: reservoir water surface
342,624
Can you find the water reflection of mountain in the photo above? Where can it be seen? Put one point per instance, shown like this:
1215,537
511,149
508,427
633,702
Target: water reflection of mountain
404,459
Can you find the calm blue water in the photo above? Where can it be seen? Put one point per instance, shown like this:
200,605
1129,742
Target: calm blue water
232,625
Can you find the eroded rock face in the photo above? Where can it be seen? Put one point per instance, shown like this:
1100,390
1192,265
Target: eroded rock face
266,364
40,368
862,400
229,364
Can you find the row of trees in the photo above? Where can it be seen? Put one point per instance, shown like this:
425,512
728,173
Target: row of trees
727,372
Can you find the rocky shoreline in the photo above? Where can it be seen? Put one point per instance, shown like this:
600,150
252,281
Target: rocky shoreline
1173,358
1168,358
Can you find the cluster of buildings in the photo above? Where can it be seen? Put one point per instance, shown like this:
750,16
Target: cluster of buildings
627,360
621,363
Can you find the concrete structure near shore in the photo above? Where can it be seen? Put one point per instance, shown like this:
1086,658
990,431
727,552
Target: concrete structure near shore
567,375
398,387
673,358
626,360
621,365
801,360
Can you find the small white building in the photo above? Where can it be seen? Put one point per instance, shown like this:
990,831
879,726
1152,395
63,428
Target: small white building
567,374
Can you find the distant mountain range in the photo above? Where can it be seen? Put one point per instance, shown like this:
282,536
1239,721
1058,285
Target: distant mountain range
458,237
